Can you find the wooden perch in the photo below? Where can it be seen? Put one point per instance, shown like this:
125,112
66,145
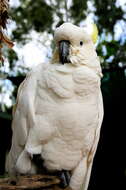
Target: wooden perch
31,182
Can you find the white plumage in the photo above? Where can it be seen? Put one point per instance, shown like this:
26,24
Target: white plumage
59,111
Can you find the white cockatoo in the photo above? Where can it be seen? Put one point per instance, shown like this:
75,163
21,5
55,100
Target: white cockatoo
59,110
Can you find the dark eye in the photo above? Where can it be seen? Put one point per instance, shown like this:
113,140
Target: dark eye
81,43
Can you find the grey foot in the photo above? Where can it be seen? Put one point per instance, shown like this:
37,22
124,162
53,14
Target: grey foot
64,176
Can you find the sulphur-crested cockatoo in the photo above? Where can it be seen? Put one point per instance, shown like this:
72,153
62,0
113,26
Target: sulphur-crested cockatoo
59,110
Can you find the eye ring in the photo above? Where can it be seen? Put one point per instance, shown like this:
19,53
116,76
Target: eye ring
81,43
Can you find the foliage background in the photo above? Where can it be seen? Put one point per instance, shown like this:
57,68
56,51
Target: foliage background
36,21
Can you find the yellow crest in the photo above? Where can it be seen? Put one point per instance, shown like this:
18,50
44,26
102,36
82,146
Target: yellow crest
94,34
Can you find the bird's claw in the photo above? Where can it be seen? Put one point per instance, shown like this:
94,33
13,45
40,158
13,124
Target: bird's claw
65,178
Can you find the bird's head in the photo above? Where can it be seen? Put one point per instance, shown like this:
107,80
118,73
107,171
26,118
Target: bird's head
74,45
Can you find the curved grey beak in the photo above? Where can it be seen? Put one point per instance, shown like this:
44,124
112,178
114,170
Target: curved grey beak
64,46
